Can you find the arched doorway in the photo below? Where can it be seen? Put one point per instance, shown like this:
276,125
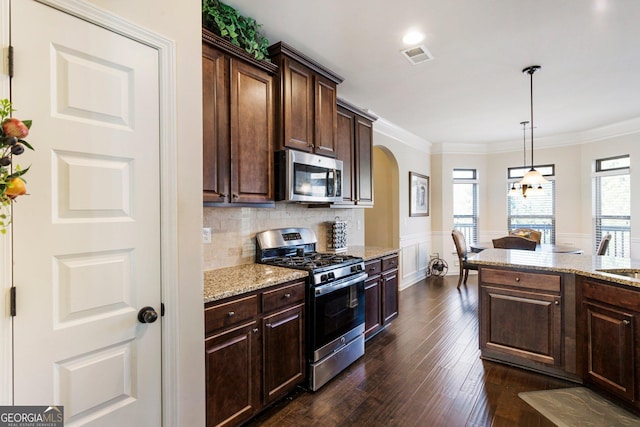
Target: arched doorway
382,222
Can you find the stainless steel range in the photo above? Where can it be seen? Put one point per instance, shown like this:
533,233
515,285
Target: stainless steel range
335,299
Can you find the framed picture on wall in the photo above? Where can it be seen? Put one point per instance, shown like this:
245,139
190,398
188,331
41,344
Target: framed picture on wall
418,194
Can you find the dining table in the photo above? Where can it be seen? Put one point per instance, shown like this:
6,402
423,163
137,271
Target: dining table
540,247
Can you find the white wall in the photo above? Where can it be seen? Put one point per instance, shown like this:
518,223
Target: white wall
181,22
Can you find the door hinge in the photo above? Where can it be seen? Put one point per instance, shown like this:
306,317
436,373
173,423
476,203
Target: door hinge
13,301
10,61
161,309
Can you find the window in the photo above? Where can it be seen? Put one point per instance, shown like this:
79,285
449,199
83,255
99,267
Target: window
612,204
536,211
465,203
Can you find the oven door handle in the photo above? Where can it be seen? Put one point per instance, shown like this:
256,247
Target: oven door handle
331,287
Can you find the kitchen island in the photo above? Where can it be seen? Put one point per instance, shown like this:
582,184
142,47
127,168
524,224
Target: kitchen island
570,316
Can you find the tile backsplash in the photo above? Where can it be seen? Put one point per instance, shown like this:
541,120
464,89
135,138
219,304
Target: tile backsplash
233,230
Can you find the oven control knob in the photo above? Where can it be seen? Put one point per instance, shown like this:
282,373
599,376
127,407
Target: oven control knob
323,278
332,276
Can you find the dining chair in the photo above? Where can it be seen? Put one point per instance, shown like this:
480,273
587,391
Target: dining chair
529,233
461,249
515,242
604,244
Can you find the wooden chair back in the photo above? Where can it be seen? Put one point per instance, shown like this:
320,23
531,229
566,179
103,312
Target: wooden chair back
529,233
515,242
604,244
461,244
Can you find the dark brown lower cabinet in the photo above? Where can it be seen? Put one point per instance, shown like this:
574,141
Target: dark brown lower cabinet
611,339
390,295
283,352
380,294
233,375
372,314
254,350
527,319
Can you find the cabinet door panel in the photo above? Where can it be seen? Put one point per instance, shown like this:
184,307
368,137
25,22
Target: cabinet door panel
325,117
390,295
610,350
251,134
524,325
215,116
372,306
298,105
364,164
232,375
283,352
345,151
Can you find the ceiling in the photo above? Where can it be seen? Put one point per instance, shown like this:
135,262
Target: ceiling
473,91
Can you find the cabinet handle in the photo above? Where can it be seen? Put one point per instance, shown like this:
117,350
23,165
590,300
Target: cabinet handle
556,302
223,195
231,313
235,196
268,325
517,279
255,330
287,295
626,322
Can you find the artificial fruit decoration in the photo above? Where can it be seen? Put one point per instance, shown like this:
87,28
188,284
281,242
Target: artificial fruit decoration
12,143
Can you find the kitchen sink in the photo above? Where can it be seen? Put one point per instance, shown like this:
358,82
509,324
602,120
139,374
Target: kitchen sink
634,274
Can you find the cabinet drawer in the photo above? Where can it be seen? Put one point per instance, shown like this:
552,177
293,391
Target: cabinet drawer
538,281
389,262
281,297
373,267
230,313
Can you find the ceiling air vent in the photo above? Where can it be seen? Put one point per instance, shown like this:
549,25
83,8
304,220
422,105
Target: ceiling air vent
417,54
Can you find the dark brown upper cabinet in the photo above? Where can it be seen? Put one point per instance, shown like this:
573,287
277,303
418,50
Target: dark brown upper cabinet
306,102
355,148
238,125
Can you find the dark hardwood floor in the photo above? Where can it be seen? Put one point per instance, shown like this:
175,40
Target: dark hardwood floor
423,370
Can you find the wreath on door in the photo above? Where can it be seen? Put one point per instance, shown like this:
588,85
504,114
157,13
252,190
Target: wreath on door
12,143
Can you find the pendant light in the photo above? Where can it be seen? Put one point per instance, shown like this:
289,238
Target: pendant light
533,179
514,191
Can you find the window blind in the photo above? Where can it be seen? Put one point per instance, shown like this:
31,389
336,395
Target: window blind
612,204
465,203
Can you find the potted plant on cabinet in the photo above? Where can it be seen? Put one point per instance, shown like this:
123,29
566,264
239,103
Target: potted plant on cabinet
228,23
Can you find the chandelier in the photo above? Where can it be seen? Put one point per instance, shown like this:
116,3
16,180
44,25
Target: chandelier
531,182
532,179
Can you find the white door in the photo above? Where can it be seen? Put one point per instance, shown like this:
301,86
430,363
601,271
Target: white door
87,237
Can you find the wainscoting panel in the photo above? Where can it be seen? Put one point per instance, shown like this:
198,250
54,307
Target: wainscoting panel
414,258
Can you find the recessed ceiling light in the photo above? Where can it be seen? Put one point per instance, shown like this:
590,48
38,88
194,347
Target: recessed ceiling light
413,37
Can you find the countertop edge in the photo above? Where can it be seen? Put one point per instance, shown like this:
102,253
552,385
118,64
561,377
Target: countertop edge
583,265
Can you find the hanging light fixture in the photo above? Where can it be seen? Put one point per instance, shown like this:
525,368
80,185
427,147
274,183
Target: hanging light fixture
514,191
533,179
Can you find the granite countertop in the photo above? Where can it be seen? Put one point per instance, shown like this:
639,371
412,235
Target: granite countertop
584,265
371,252
231,281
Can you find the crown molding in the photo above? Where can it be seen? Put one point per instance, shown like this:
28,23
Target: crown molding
614,130
393,131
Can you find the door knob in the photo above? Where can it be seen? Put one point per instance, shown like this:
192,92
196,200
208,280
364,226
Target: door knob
147,315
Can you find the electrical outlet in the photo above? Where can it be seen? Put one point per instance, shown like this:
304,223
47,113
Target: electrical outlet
206,235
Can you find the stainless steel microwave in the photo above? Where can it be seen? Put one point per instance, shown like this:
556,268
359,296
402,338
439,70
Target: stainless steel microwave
307,178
